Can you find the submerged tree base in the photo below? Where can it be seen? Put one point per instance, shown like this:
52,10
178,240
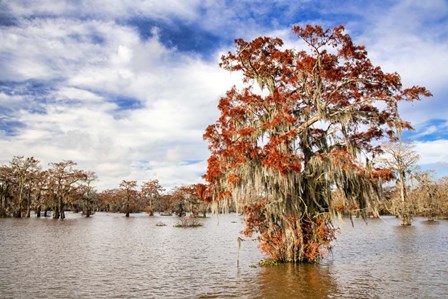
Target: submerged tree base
314,126
405,214
291,239
188,222
405,220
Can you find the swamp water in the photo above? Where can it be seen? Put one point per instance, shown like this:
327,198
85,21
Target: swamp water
111,256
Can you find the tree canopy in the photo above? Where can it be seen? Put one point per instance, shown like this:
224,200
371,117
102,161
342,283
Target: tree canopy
315,123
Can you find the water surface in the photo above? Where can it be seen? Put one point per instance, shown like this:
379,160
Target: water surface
111,256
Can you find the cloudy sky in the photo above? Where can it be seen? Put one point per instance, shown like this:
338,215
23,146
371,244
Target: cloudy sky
127,88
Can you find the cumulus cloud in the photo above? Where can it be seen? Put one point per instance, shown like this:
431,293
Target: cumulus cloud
432,152
86,123
85,84
103,9
433,156
7,100
410,38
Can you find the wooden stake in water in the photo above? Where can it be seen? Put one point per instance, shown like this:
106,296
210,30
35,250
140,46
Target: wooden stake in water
238,241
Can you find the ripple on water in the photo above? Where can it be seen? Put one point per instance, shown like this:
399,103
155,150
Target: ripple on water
111,256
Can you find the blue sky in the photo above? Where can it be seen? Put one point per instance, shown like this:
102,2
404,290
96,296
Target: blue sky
126,88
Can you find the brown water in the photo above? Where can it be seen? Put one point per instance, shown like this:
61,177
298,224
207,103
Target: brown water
110,256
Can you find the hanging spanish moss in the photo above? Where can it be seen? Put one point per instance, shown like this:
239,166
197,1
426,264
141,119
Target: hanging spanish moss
279,155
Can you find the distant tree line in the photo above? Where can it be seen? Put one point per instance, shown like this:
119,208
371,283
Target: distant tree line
25,186
151,198
408,191
426,198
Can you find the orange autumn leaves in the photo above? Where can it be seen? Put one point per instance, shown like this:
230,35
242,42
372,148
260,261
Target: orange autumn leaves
317,120
307,89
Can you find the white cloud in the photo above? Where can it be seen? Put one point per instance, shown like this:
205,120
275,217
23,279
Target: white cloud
432,152
55,48
410,38
433,156
97,59
73,93
105,9
178,96
123,56
10,100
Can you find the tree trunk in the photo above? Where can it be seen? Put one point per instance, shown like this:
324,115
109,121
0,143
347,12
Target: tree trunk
127,207
3,205
406,220
296,240
28,204
405,209
55,213
17,213
151,208
2,211
62,212
61,206
55,207
405,214
56,210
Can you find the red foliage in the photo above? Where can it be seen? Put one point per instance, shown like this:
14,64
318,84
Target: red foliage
323,103
383,173
311,236
203,192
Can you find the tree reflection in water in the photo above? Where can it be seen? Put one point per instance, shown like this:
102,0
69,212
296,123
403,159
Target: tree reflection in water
296,281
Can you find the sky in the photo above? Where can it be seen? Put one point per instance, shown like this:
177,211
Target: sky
127,88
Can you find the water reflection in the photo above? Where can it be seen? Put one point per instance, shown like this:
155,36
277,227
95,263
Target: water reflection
385,260
295,281
111,256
